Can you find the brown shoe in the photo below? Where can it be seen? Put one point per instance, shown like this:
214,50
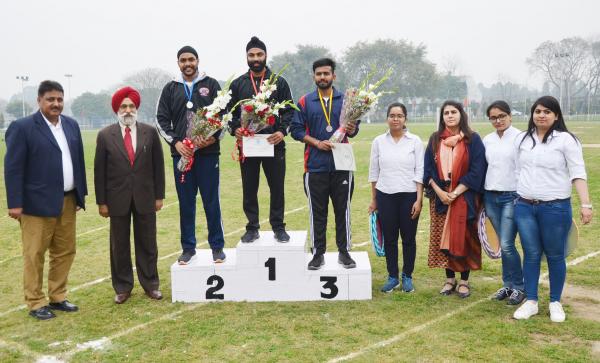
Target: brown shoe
154,294
121,298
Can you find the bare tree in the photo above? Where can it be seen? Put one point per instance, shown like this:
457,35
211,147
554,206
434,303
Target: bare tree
564,63
149,82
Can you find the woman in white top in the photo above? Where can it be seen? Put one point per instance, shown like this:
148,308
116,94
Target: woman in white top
499,197
549,163
396,176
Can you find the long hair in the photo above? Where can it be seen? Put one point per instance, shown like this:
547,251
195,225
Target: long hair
553,105
463,124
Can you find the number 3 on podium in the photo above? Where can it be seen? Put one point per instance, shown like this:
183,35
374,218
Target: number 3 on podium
330,285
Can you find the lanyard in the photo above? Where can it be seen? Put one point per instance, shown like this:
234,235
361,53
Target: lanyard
327,114
254,83
188,91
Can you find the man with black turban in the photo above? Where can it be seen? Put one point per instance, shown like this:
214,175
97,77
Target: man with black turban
245,87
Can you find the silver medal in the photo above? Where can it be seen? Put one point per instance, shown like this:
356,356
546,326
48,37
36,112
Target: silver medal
329,128
189,104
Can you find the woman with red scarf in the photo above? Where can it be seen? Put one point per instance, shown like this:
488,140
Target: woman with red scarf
454,174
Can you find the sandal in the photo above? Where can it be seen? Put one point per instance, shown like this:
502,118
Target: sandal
447,292
464,295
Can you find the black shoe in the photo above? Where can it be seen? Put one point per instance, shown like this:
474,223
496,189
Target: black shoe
42,313
345,260
516,297
281,236
218,255
317,261
186,257
502,294
251,235
64,306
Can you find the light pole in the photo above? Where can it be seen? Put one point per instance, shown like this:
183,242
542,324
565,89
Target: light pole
69,76
23,80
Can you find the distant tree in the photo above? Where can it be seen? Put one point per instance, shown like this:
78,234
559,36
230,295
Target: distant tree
15,108
413,75
149,82
299,73
92,108
563,63
1,120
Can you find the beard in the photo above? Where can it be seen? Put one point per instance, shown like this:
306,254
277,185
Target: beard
257,66
324,84
127,119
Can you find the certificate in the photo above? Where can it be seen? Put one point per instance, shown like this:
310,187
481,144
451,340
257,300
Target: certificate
257,146
343,157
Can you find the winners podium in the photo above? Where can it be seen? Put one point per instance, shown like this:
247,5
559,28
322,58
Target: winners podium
267,270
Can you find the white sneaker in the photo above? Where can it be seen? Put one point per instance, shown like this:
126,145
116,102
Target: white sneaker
528,309
557,314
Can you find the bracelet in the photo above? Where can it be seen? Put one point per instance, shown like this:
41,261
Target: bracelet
587,206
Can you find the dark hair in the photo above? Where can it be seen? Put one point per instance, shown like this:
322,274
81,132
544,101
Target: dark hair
463,125
49,86
499,104
396,104
324,62
553,105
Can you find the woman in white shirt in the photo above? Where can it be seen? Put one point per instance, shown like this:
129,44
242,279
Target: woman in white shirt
549,163
396,176
499,197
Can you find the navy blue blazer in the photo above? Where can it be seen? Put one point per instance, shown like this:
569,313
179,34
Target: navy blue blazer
33,166
474,179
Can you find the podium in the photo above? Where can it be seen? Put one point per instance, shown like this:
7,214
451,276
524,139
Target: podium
267,270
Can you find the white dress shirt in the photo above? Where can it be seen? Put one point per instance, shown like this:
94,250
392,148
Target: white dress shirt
133,131
397,167
500,154
547,171
67,163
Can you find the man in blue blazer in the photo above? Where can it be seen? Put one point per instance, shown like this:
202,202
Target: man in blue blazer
44,173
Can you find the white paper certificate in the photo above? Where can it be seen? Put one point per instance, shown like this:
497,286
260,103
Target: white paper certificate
343,157
257,146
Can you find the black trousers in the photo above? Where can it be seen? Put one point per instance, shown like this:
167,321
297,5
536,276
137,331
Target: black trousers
319,187
394,214
146,251
274,169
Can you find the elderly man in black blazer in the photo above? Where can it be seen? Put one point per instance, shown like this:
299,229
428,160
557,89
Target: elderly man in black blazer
44,173
129,176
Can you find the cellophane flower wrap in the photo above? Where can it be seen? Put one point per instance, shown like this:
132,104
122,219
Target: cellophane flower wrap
357,102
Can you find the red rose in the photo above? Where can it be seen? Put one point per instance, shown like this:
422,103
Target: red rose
271,120
261,113
248,108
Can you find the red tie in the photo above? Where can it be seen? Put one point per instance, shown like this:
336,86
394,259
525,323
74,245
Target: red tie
129,145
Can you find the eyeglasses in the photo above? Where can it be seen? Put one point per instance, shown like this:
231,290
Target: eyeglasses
399,117
501,117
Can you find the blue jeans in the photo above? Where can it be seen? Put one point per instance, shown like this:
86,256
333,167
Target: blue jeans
500,207
204,176
544,228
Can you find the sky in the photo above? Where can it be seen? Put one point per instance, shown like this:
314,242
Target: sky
101,42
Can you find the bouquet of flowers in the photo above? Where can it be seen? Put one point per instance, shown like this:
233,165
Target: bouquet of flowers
204,124
258,112
357,102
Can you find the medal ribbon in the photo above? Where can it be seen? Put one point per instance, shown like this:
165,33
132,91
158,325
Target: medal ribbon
327,114
188,91
262,78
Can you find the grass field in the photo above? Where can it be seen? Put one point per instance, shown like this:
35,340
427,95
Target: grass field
422,326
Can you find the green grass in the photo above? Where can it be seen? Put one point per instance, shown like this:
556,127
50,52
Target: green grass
310,331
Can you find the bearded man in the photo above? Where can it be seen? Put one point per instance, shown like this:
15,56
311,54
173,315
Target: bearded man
129,177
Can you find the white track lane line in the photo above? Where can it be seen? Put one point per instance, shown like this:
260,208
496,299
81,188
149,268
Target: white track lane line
427,324
105,278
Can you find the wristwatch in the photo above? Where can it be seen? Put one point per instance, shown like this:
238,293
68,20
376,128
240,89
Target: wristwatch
587,206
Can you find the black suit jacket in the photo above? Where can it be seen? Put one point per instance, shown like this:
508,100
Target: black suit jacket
117,183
